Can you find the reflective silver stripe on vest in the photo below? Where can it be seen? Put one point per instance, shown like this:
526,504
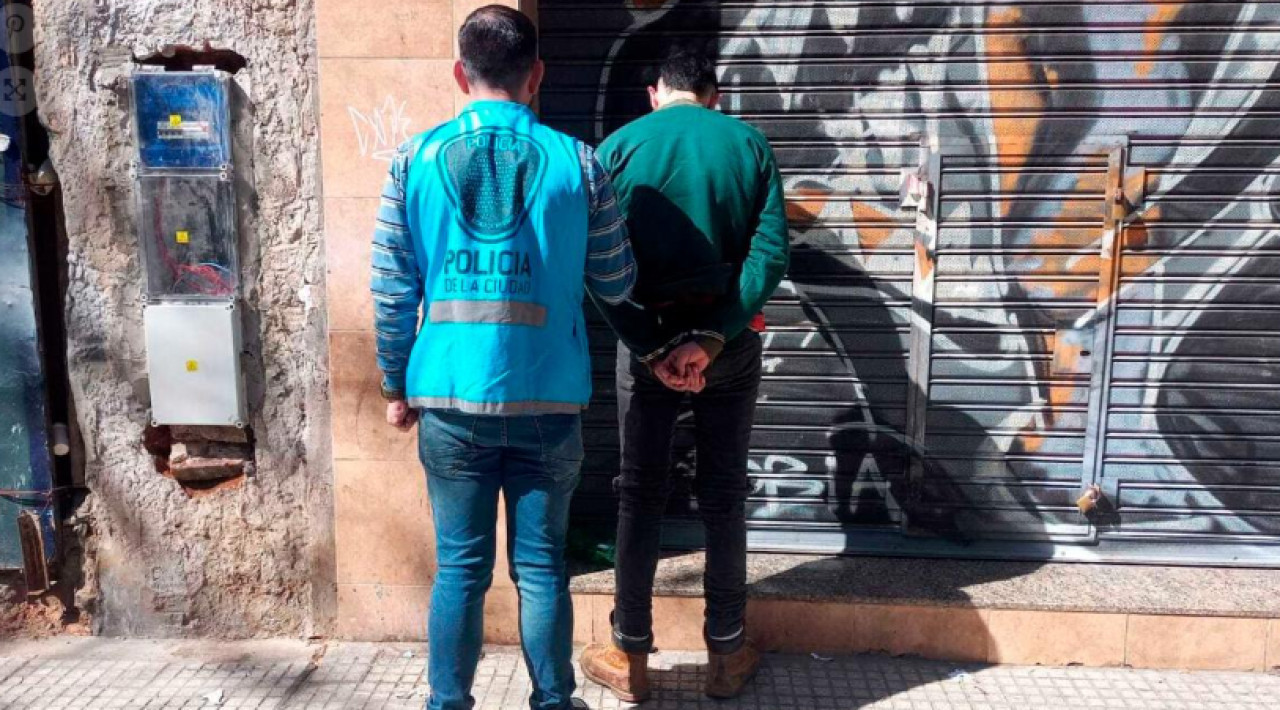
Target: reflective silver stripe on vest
497,408
500,312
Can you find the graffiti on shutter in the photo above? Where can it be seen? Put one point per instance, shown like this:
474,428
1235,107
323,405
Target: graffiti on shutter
1105,184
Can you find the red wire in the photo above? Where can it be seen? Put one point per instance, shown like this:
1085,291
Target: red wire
210,282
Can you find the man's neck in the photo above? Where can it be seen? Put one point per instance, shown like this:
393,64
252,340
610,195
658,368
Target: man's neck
487,94
674,98
491,96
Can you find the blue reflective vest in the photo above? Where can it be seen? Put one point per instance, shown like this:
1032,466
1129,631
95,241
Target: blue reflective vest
498,208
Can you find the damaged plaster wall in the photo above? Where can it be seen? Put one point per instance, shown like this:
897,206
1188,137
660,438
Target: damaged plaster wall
254,559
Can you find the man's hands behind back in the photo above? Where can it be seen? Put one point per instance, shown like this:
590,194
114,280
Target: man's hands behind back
684,368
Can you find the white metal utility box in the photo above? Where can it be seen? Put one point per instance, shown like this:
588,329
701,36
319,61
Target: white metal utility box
193,360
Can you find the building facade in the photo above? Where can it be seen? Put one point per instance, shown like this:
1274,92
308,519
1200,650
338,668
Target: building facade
1033,311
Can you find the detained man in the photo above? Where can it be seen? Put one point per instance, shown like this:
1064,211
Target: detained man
704,207
494,225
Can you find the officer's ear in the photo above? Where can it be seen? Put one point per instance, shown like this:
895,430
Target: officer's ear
460,76
654,102
535,78
711,98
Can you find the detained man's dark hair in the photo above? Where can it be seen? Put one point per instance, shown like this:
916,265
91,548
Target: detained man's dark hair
498,46
689,69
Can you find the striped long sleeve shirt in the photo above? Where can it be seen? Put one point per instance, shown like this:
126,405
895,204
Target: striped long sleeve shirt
397,283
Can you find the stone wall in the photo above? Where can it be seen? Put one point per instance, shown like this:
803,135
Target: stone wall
252,557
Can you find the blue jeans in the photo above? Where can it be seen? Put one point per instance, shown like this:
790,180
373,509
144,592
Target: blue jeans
535,461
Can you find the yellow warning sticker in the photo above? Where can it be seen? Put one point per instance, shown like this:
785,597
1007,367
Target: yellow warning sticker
182,237
175,119
192,366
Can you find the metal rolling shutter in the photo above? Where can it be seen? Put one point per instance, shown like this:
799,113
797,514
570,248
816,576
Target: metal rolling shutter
1090,293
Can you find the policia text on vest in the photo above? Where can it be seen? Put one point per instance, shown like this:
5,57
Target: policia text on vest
472,271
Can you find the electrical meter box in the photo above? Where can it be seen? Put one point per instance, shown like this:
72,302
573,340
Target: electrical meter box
193,361
186,198
187,231
187,237
182,120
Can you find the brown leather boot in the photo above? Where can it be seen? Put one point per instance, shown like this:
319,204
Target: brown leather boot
729,673
626,674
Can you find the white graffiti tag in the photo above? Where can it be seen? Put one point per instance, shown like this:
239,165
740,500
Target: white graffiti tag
382,130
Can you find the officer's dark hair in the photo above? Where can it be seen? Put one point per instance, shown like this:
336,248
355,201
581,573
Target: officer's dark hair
689,68
498,46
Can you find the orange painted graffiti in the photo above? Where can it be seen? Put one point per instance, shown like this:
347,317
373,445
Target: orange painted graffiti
1015,136
1153,36
875,226
805,205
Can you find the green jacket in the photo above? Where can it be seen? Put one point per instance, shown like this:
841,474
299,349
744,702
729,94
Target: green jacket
704,207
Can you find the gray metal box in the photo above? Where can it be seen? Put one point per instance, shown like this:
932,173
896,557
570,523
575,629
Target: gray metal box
193,360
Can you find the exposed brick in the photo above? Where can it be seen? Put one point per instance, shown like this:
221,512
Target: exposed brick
193,469
227,434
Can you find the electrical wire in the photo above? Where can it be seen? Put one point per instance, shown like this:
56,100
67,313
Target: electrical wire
207,279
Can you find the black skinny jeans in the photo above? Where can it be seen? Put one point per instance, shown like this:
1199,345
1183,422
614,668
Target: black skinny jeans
723,414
